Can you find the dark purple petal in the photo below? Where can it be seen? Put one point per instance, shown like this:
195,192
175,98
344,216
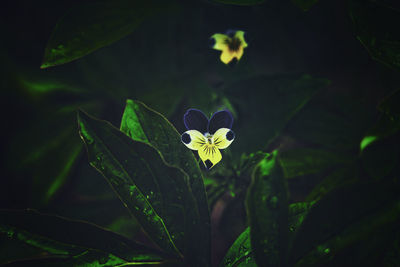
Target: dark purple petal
220,119
195,119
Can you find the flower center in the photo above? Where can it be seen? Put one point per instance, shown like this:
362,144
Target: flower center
209,138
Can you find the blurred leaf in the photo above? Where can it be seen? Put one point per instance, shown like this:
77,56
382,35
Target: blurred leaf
303,161
155,192
381,157
269,101
336,211
240,253
376,27
90,26
267,209
337,123
240,2
297,213
45,147
89,258
249,161
390,104
305,5
340,177
146,125
360,244
61,236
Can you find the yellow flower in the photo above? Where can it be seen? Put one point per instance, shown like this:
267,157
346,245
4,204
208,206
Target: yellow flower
207,137
231,44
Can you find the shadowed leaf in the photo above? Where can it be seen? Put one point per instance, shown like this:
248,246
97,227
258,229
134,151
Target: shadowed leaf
240,2
376,27
90,26
305,4
146,125
240,253
303,161
61,236
338,210
157,194
262,92
267,209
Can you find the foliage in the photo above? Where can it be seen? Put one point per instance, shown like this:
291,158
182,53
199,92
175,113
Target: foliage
312,178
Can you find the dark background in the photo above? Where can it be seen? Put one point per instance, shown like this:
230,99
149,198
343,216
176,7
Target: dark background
167,63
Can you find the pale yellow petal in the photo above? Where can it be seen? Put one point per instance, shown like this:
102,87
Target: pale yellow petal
193,139
240,36
210,155
223,138
221,41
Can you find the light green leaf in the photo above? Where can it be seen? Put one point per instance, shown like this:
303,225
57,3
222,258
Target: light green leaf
240,253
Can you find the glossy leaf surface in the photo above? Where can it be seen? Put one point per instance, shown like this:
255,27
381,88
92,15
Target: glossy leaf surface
156,193
240,253
141,123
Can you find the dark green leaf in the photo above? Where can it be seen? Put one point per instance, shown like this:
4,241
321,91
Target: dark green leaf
240,253
340,177
336,211
270,101
381,157
336,122
390,105
304,4
146,125
359,244
303,161
297,213
156,193
61,236
376,27
90,26
267,209
240,2
90,258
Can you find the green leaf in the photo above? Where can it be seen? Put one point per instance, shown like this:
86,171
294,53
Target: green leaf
271,101
297,213
90,26
89,258
362,243
335,122
340,177
303,161
336,211
240,2
61,236
156,193
267,209
146,125
376,27
305,5
390,104
240,253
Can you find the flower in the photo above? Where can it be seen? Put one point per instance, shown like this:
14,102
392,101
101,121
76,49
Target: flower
208,136
231,44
